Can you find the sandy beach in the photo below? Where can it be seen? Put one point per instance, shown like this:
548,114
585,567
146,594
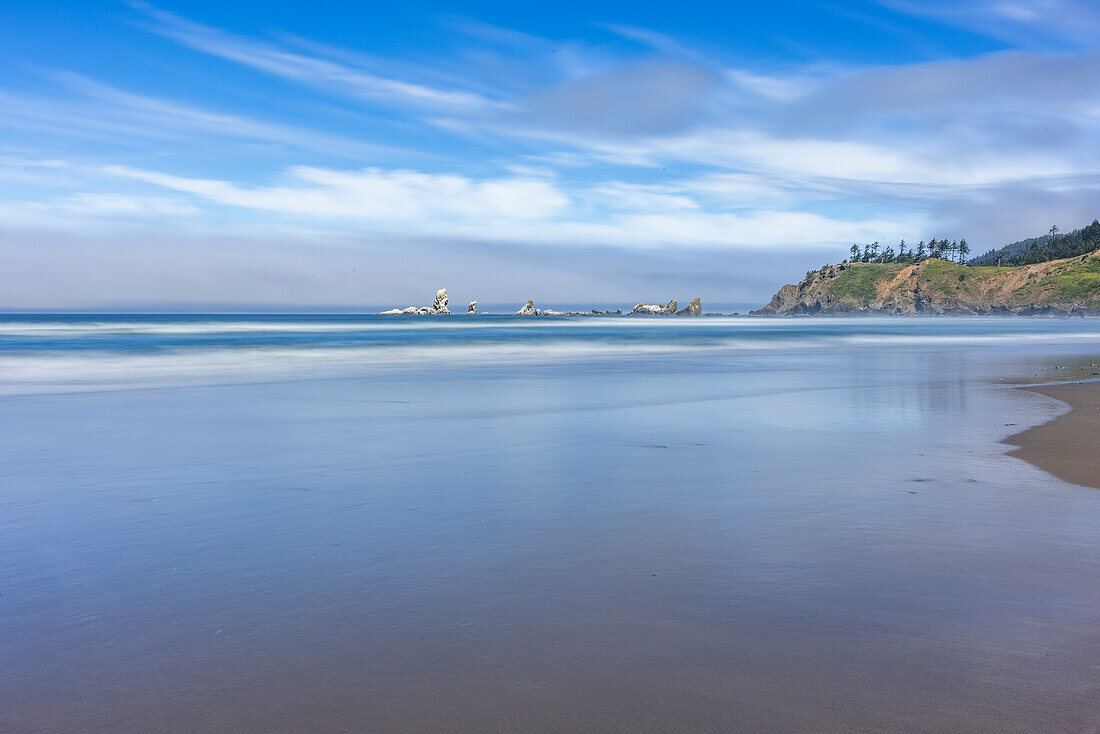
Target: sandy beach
1066,446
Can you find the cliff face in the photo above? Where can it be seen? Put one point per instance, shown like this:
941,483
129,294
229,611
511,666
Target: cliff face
1070,286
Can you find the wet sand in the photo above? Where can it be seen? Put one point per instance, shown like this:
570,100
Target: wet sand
698,542
1066,446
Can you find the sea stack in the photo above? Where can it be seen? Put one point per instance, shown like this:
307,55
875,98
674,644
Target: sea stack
528,309
440,303
472,308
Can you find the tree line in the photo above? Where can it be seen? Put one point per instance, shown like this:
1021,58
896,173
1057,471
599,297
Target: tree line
1052,246
953,251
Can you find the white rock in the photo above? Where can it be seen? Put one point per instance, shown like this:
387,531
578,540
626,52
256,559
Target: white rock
472,308
440,304
528,309
656,309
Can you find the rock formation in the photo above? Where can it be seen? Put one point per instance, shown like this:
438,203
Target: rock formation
438,307
695,308
655,309
530,310
440,303
472,308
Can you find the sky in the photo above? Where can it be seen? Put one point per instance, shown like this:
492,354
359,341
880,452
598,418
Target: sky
338,155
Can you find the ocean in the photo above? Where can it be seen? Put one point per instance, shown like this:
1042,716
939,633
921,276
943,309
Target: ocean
357,523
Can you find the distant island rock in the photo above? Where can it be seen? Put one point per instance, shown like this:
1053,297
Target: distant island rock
1070,286
438,307
695,308
655,309
530,310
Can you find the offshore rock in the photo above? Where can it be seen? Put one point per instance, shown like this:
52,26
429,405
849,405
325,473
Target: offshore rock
695,308
438,307
440,303
472,308
530,310
552,312
655,309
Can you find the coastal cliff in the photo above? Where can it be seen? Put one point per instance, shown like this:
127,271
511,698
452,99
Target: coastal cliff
933,286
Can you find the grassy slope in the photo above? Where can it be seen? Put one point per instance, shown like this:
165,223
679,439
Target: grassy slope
862,284
1074,280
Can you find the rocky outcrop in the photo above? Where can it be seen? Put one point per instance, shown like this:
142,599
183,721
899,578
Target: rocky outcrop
1058,287
695,308
616,312
472,308
440,303
438,307
648,309
530,310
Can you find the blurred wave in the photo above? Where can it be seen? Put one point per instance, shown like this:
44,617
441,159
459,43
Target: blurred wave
40,354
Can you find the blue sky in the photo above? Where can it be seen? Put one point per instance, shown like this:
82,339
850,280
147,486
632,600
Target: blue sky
338,154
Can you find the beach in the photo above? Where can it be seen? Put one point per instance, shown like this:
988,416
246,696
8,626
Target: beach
1066,446
338,524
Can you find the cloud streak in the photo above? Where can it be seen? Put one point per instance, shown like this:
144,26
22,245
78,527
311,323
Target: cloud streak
306,69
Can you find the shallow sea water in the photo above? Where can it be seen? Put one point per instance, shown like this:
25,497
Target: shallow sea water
348,523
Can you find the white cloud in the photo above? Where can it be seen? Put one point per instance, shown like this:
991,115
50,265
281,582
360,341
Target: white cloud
642,197
374,194
104,113
521,211
1023,22
77,210
771,86
305,69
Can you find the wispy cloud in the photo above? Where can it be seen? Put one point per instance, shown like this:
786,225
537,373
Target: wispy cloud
1026,23
94,110
374,194
314,71
83,207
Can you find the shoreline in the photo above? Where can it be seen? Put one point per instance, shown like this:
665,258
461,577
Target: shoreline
1065,447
